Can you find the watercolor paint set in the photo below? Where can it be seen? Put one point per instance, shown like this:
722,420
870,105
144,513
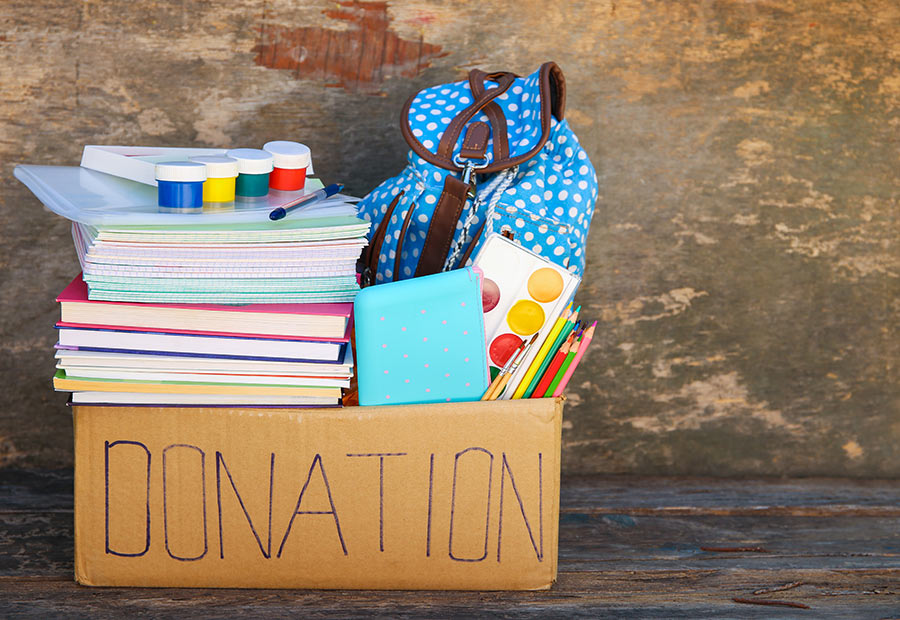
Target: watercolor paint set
524,295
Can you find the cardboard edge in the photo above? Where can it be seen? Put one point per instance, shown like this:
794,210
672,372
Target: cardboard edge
557,451
82,576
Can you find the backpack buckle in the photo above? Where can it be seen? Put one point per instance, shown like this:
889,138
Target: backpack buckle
470,169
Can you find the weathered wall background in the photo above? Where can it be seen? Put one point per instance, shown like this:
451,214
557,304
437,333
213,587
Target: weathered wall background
744,259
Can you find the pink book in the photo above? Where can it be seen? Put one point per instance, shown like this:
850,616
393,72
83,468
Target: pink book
290,321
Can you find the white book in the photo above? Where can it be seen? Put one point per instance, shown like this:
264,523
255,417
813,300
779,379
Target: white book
181,400
200,345
205,377
178,363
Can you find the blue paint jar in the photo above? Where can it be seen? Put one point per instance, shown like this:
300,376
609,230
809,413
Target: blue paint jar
180,184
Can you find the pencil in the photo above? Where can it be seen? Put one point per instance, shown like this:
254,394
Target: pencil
563,334
573,351
529,373
498,392
506,367
588,335
550,373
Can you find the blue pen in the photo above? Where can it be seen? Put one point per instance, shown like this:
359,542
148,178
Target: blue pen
316,196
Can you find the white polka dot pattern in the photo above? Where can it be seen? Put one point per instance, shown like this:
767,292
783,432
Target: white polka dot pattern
548,206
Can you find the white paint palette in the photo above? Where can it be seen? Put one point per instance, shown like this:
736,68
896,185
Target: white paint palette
522,294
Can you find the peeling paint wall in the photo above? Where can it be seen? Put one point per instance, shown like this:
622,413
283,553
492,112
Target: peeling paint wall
743,262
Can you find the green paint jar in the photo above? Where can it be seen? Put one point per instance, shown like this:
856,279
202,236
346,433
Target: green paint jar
254,166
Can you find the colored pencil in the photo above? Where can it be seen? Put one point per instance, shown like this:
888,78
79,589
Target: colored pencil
542,368
521,356
550,373
493,386
573,351
588,335
536,362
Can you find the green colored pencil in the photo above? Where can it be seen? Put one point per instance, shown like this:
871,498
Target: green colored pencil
562,370
561,338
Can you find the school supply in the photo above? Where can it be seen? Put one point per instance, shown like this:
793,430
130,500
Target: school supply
422,340
290,160
573,351
99,199
249,347
582,348
488,154
503,371
254,168
524,294
547,342
137,163
137,399
64,383
554,366
499,385
541,363
292,262
67,359
307,201
318,320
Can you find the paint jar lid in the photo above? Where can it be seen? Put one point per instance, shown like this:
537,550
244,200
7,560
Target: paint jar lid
218,166
288,155
252,161
180,171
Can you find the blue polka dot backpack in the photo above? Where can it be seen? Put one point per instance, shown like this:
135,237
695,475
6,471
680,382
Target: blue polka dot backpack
490,154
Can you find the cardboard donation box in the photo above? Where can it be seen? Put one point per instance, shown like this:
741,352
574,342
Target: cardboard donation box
451,496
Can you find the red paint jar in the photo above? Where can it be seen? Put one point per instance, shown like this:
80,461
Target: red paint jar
291,160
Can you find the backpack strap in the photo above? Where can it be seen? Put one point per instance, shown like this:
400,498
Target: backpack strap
443,224
552,86
370,255
451,135
494,113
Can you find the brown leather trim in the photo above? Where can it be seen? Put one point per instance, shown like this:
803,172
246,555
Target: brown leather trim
399,251
373,250
443,225
451,134
472,244
495,115
553,101
475,143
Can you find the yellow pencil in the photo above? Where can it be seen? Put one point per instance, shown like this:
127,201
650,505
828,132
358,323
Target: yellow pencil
542,353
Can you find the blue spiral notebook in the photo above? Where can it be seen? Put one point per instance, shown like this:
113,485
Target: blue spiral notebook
422,340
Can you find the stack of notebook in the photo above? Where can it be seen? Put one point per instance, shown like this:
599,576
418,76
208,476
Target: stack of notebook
292,261
218,307
261,355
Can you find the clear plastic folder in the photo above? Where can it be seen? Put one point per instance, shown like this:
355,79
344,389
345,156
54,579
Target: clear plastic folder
100,199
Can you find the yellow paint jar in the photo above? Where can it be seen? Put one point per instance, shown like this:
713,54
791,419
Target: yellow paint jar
221,173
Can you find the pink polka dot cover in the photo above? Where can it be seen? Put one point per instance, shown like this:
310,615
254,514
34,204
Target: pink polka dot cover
422,340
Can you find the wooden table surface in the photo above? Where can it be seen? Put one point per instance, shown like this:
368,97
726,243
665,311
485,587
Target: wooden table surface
629,547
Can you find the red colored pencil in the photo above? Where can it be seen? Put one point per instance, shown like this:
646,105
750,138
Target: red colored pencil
552,369
585,341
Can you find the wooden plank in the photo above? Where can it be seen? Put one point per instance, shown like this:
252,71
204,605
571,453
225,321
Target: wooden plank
622,552
654,594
